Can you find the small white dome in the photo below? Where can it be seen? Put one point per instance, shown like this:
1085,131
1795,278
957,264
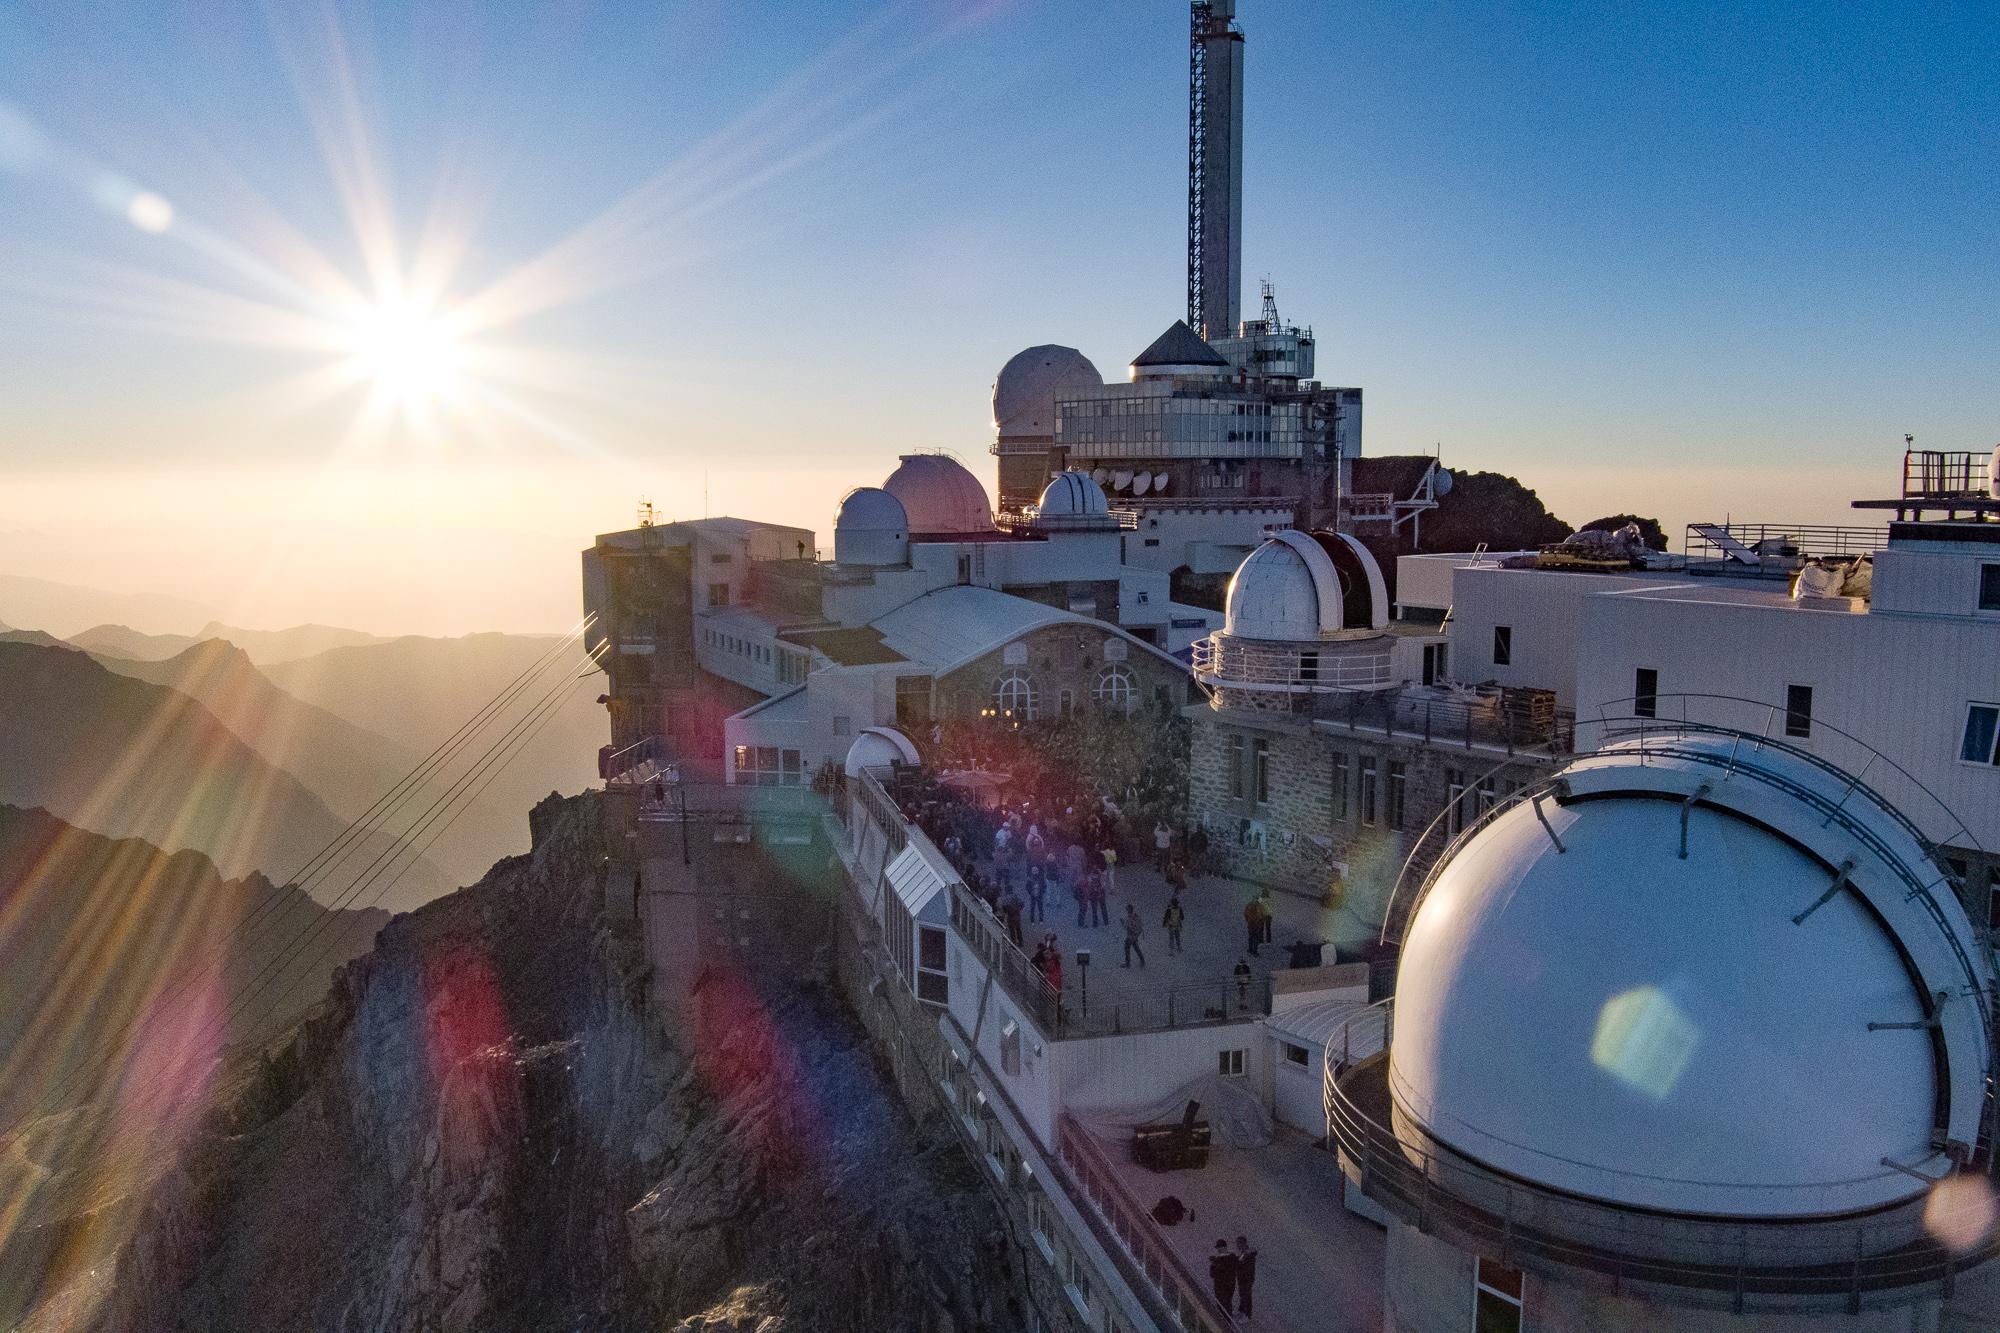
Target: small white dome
1306,586
878,747
940,496
1025,393
1588,1008
871,529
1073,495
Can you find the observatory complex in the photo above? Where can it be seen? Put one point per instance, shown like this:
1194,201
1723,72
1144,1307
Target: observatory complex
1630,956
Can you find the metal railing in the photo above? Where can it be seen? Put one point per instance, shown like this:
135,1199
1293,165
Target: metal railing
1739,1263
1226,662
1496,718
1932,474
1772,550
1188,1300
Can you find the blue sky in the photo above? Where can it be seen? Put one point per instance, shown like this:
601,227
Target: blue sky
1685,260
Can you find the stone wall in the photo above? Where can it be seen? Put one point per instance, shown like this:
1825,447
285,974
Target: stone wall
1302,837
1062,658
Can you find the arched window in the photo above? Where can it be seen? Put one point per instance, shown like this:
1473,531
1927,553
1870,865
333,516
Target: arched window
1117,690
1014,697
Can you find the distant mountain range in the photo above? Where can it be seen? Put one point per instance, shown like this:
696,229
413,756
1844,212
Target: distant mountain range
129,757
64,608
260,646
100,934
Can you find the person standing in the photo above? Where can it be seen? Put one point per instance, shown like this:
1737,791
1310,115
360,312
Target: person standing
1267,909
1110,867
1246,1275
1253,924
1174,919
1134,928
1222,1275
1163,842
1100,893
1083,897
1038,891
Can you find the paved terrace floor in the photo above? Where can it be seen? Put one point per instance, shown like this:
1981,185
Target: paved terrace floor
1319,1267
1213,939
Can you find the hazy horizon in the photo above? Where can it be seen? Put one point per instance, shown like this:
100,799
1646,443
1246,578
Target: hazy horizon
325,317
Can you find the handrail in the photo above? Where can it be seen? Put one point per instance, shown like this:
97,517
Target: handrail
1525,1225
1191,1303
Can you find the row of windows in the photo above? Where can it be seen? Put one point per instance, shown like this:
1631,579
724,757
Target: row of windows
742,647
768,766
1380,790
1017,697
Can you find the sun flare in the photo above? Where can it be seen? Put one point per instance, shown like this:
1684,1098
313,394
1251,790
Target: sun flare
411,354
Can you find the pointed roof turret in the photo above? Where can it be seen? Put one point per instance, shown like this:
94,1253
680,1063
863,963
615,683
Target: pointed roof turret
1179,346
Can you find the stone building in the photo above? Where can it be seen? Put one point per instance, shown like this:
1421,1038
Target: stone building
1315,762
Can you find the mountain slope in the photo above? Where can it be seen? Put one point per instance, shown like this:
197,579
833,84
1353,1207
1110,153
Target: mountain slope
420,690
95,930
349,768
130,758
266,646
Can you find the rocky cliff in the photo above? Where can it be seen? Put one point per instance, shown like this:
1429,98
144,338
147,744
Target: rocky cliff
484,1129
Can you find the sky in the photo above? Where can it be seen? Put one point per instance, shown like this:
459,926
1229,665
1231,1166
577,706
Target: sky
373,314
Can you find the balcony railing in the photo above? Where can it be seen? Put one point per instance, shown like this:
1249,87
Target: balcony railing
1224,661
1774,1264
1188,1299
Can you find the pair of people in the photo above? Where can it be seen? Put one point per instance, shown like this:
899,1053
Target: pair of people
1233,1275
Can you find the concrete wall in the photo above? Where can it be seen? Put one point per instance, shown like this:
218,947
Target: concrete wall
1544,609
1752,651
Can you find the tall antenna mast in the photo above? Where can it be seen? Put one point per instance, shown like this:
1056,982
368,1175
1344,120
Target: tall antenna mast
1215,168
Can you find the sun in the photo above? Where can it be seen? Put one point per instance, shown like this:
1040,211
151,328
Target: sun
411,353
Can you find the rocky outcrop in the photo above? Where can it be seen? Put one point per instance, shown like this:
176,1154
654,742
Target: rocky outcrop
485,1129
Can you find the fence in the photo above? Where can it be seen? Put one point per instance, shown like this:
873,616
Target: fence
1505,719
1766,1264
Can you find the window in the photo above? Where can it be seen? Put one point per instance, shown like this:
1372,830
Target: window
1503,645
1261,761
1295,1054
1798,710
718,558
1309,667
1229,1064
1010,1047
1398,785
1015,697
913,701
1646,693
1144,597
1340,784
768,766
933,979
1454,809
1117,690
718,594
1487,796
1232,755
1435,660
1496,1298
1982,722
1368,789
1989,587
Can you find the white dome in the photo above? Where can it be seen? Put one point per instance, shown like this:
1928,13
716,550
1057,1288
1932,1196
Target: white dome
1306,586
1614,1020
1025,393
940,496
871,529
878,747
1073,495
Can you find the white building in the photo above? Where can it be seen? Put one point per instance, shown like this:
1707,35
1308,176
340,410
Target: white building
1690,1036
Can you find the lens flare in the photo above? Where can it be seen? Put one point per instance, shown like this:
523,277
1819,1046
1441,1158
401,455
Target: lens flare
411,354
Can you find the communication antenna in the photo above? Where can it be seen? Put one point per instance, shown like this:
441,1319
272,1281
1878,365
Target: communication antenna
1270,307
648,515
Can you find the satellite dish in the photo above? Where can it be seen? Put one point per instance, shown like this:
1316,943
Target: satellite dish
1101,475
1142,483
1441,483
1160,480
1120,480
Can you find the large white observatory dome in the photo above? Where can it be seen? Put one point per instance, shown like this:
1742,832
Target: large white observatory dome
1662,996
878,747
1025,393
1073,495
940,497
871,529
1301,586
